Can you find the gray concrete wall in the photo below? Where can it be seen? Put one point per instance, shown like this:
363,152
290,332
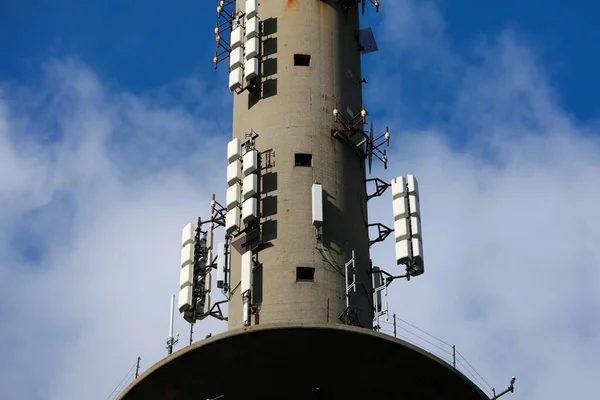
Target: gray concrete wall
293,114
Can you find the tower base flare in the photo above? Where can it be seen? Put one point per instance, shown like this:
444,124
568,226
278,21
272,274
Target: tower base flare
328,361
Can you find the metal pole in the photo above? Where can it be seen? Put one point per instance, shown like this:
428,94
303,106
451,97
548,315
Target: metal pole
395,325
454,356
137,368
172,316
171,341
191,333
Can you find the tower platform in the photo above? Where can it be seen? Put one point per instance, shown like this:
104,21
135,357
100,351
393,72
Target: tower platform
327,361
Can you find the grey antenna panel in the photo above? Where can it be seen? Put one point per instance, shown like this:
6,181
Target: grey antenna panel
366,40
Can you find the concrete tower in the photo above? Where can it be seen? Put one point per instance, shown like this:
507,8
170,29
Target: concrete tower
293,263
311,61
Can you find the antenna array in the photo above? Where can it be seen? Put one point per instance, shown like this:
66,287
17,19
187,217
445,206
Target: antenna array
243,48
239,217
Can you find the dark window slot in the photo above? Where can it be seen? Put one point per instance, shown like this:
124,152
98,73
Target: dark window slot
302,60
305,274
303,160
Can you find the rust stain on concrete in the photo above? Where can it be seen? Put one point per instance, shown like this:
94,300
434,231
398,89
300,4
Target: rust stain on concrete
291,3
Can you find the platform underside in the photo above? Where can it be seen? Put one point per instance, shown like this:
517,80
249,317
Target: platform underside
302,362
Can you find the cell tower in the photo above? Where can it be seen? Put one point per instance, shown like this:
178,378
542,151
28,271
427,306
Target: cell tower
291,241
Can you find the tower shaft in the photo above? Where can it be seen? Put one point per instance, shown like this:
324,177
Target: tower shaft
310,61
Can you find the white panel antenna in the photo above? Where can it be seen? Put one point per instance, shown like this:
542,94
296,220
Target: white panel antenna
208,282
246,284
233,196
237,37
250,210
246,313
407,224
249,186
250,163
232,220
188,234
417,249
415,227
252,27
251,68
186,276
234,150
207,302
236,79
185,299
252,48
413,205
412,185
317,204
402,252
251,8
236,58
234,172
187,254
209,259
399,187
402,229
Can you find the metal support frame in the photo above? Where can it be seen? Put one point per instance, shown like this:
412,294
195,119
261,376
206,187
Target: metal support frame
510,389
248,308
347,5
349,315
226,16
368,146
250,143
380,187
382,233
202,267
373,147
378,309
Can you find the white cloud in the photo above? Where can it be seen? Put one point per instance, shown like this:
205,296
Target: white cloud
109,196
510,234
104,180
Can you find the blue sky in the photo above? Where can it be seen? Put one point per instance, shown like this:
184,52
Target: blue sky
142,46
111,114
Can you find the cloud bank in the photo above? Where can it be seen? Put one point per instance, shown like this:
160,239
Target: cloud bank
96,183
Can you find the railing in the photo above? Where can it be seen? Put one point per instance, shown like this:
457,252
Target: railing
396,327
445,351
132,374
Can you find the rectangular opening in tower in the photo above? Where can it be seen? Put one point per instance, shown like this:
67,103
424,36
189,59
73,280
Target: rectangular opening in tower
305,274
303,160
302,60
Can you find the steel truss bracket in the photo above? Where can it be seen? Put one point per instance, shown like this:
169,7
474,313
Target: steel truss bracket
382,231
380,187
387,278
347,5
350,131
217,312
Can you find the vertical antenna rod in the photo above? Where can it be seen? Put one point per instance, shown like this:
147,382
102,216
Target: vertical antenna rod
171,341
